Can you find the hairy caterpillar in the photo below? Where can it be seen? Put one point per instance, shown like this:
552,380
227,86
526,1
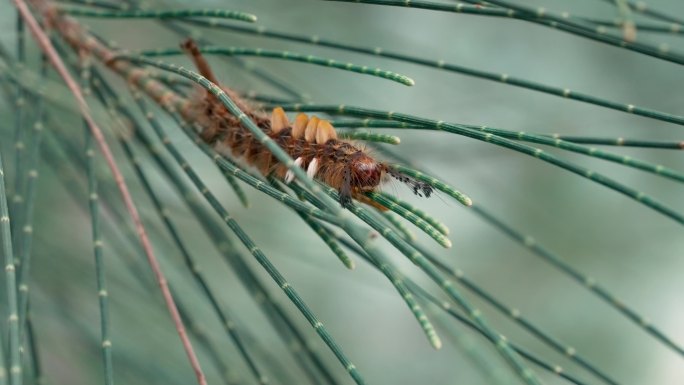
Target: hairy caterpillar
311,141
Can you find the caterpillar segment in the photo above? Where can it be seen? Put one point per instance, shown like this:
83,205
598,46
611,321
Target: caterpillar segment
311,141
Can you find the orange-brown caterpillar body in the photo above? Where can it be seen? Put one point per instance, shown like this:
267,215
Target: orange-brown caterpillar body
311,141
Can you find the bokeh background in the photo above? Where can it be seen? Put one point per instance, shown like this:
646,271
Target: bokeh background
635,252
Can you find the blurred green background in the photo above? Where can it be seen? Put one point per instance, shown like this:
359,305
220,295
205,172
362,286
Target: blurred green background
635,252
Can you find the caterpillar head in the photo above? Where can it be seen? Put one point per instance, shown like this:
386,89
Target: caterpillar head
362,174
365,174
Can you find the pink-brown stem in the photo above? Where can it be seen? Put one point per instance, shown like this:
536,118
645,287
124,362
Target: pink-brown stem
45,44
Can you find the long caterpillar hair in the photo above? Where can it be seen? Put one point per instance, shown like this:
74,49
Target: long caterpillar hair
311,141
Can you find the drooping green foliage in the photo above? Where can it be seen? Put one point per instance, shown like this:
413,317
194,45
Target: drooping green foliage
256,285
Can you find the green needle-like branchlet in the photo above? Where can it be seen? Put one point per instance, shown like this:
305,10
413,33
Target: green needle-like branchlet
10,285
452,67
322,232
559,142
411,217
673,29
170,80
621,142
558,262
172,14
456,8
102,292
260,257
239,192
242,196
228,167
60,154
639,196
584,280
193,267
415,256
397,281
98,243
281,321
315,208
399,225
441,227
24,262
284,55
224,245
362,240
247,123
277,315
516,316
17,203
248,67
358,235
540,16
329,240
369,137
447,307
204,219
33,349
226,319
371,123
590,151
